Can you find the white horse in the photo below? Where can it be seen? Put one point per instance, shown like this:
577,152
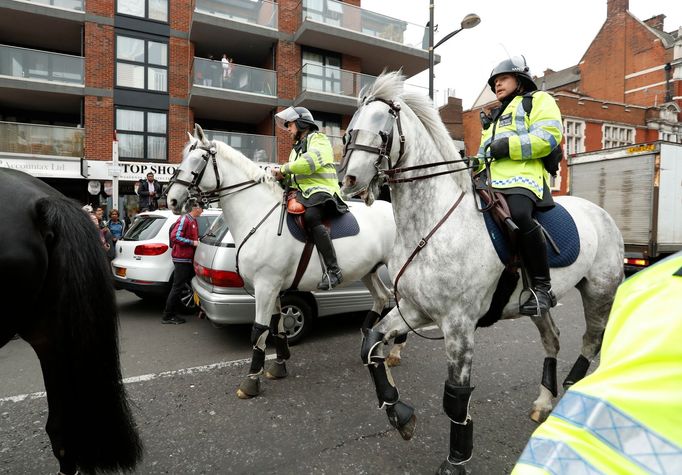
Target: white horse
452,278
250,200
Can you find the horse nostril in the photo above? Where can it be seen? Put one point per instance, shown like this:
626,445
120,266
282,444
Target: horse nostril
349,180
174,203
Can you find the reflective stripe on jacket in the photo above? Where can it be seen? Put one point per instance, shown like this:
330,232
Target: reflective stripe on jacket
531,137
626,417
314,171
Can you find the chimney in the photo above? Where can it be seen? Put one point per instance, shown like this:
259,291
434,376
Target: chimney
614,7
656,22
549,72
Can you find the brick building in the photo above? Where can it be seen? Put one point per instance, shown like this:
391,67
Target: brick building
626,89
74,72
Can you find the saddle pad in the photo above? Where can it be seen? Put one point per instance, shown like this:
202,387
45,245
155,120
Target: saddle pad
343,225
557,222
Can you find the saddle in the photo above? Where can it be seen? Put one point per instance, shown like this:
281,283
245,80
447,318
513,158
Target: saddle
338,226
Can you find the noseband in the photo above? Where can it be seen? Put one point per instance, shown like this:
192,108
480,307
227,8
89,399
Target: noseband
193,189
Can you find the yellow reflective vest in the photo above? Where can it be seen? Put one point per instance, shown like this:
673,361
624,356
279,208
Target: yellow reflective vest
313,171
531,137
626,417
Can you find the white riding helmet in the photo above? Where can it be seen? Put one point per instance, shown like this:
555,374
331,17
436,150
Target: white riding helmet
302,116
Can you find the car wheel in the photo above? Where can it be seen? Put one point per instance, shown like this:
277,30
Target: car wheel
187,299
297,317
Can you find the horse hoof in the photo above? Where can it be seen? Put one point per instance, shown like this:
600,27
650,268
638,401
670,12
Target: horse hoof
249,388
392,361
407,431
448,468
539,415
276,371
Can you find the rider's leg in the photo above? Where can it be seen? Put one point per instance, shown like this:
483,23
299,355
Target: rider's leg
323,242
533,247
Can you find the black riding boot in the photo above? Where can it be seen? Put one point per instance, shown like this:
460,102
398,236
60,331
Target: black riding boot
324,244
533,247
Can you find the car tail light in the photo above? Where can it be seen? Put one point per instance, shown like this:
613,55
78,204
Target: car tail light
636,262
220,278
155,249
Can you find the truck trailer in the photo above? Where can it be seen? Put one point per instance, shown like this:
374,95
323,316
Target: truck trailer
640,186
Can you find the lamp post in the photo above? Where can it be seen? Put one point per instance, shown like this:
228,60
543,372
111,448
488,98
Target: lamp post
469,21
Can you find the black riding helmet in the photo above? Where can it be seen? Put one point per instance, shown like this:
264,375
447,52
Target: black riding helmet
516,66
300,115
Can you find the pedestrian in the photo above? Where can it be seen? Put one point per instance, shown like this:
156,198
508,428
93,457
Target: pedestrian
99,213
149,191
626,417
105,236
116,225
184,238
517,142
227,69
311,172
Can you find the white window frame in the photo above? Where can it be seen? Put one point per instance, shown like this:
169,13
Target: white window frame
613,135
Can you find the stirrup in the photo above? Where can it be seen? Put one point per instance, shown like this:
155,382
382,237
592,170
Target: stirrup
537,310
327,284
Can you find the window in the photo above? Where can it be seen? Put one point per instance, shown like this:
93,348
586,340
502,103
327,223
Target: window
667,136
141,134
330,125
150,9
616,136
321,72
574,136
141,64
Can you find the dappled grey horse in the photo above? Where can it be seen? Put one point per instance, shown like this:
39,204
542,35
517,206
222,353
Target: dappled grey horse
447,264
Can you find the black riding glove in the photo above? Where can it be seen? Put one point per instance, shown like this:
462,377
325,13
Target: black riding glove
500,148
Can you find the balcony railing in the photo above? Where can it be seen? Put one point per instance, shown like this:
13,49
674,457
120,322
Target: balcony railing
33,139
259,148
364,21
42,65
241,78
65,4
261,12
331,80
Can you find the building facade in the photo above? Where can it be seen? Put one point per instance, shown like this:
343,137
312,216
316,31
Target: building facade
144,72
626,89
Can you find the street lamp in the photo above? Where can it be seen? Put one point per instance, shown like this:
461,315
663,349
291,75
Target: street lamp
469,21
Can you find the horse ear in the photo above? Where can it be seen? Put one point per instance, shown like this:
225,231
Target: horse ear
191,139
201,136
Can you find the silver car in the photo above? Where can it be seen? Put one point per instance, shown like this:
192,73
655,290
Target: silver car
220,292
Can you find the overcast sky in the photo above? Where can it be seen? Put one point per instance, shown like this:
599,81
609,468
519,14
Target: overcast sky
551,35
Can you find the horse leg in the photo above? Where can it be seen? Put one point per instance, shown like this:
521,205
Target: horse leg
459,347
265,304
597,303
549,333
381,295
278,368
400,415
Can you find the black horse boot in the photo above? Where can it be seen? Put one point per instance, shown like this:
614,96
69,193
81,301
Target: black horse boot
533,248
324,244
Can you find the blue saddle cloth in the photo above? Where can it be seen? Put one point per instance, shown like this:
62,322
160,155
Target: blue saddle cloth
557,222
343,225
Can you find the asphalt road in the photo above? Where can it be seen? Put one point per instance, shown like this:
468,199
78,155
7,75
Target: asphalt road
322,419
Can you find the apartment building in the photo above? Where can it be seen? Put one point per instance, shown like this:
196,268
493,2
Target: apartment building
626,89
75,74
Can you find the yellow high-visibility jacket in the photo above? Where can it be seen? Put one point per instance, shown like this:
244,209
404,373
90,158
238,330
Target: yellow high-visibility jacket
531,137
626,417
313,171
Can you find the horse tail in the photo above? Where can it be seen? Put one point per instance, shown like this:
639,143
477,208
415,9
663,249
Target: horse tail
98,427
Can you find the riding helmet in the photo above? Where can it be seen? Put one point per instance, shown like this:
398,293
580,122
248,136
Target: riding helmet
516,66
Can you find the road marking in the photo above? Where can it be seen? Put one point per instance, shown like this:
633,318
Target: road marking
150,377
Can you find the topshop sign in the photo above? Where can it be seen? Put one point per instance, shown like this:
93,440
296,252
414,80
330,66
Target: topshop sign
128,171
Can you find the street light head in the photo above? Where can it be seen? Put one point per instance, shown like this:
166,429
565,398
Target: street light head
470,21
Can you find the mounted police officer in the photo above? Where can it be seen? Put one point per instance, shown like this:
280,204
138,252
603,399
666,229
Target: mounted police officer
311,171
517,141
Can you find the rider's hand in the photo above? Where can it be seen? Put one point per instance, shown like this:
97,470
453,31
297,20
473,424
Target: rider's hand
500,148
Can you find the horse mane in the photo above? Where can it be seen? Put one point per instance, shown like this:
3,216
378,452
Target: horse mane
248,166
391,86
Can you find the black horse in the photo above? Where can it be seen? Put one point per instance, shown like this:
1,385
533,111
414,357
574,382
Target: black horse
58,296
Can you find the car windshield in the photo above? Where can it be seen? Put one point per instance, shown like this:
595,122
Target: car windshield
144,228
216,232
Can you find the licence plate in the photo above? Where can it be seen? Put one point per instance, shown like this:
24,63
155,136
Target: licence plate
120,271
197,302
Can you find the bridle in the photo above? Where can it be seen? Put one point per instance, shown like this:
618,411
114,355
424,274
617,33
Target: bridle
214,195
383,152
